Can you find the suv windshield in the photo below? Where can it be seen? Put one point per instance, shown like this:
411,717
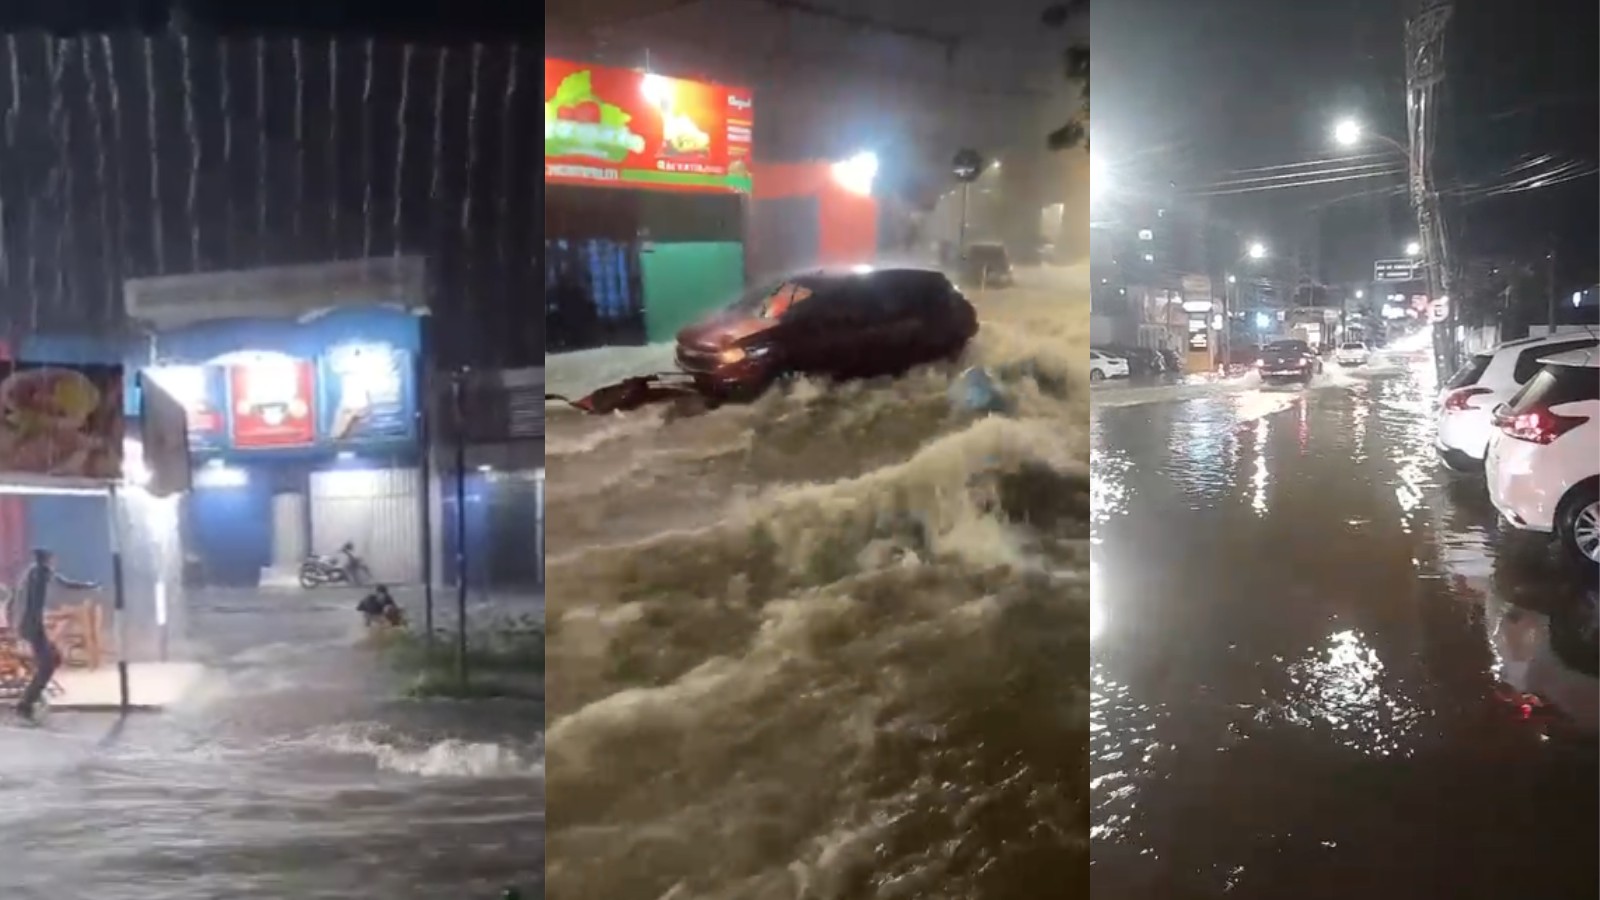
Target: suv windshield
1357,345
771,301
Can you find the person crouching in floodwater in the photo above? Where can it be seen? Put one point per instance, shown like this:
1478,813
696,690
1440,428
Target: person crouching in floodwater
379,609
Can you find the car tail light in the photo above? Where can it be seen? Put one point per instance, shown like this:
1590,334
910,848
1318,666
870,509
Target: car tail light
1540,426
1456,400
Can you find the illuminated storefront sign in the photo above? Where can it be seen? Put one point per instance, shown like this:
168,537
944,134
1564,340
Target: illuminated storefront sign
622,128
203,396
271,400
364,390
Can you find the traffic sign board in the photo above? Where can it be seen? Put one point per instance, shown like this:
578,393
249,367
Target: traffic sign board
1395,269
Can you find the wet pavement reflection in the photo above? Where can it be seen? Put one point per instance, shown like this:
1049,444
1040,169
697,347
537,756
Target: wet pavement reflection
1321,668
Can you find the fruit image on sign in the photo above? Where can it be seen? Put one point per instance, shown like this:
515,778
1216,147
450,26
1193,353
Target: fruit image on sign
578,123
635,129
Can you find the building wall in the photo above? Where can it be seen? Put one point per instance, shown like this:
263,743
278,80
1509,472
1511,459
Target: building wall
846,224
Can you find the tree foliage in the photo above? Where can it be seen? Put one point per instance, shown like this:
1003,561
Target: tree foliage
1076,59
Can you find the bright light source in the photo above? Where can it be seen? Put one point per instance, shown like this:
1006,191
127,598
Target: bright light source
217,475
1097,177
1258,250
1413,249
1347,132
134,471
1216,322
657,90
857,173
345,455
862,269
1360,294
1232,280
1577,298
486,468
1149,257
1146,234
1263,320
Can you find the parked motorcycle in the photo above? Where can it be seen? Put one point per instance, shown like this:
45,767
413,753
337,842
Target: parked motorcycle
345,567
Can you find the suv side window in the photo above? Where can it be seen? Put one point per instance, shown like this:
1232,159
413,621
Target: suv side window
1528,363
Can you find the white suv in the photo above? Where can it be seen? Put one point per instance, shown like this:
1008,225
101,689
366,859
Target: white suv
1468,400
1543,466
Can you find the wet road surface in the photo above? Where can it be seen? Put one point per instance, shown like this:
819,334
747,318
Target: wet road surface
292,772
1311,655
832,644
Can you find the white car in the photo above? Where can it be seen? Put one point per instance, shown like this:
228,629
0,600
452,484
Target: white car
1543,466
1468,400
1352,353
1103,365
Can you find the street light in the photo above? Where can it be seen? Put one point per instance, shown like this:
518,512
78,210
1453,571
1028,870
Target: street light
1348,132
1413,249
1233,279
1257,250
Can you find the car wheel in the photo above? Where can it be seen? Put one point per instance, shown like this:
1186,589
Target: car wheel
1578,524
1096,376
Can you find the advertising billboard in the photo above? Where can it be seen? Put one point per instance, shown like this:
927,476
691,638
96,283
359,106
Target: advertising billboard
61,422
272,404
622,128
203,394
164,436
366,394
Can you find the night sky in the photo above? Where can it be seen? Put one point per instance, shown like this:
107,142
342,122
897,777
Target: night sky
1192,94
127,156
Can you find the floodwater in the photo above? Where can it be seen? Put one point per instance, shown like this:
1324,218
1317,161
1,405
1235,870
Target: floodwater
832,644
1321,668
289,774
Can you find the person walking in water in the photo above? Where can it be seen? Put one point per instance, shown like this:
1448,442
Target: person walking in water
25,614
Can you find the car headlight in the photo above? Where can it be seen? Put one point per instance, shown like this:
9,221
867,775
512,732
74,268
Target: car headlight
738,354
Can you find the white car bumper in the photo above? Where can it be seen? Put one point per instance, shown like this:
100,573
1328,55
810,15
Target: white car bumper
1465,432
1520,496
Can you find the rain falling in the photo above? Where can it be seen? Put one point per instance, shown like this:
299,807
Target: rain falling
130,156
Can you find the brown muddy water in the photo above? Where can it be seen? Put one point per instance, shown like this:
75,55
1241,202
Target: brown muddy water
833,644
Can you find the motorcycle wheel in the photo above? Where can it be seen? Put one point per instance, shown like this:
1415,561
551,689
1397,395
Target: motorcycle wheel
309,579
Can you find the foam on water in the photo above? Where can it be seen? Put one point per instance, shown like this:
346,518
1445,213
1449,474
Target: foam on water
833,643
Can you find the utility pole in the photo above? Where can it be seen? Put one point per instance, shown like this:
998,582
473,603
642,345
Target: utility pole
1550,289
1424,45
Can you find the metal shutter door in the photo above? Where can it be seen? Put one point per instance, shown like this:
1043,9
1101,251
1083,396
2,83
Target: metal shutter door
378,510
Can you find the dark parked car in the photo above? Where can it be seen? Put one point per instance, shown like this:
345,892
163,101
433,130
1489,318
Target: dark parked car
987,265
1283,361
839,325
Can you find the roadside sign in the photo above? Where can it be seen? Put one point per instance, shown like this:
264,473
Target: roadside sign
967,165
1395,269
1440,311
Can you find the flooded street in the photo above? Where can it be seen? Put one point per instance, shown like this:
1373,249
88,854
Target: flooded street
1313,656
290,773
830,644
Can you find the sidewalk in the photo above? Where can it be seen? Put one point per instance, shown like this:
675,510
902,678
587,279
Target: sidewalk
579,372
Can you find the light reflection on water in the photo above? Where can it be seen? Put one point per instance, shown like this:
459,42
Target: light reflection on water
1344,689
1341,540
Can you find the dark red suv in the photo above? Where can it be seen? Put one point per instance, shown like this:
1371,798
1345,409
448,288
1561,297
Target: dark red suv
840,325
